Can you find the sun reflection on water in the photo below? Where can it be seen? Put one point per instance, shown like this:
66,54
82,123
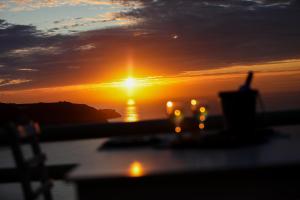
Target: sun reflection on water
131,114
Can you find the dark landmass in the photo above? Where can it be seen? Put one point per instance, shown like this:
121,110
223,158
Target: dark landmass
55,113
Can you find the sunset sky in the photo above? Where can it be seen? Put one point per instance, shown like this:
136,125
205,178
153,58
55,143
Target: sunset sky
83,50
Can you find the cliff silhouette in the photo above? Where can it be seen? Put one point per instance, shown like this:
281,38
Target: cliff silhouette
55,113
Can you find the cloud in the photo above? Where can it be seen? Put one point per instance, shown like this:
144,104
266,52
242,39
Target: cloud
86,47
104,20
7,82
289,66
229,32
30,51
209,35
27,69
26,5
14,36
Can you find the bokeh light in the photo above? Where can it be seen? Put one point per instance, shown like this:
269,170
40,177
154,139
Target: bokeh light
177,113
202,118
169,104
193,102
177,129
202,109
136,169
201,126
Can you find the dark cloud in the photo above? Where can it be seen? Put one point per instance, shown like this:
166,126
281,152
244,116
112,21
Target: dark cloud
227,31
171,36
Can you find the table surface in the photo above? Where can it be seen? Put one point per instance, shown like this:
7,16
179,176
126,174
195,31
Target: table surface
107,164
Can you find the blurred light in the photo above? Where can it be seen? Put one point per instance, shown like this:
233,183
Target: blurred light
177,129
130,102
177,113
202,118
136,169
169,104
202,109
201,126
194,102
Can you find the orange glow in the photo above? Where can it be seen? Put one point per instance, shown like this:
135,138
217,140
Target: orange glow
177,113
202,109
136,169
194,102
177,129
112,91
202,118
201,126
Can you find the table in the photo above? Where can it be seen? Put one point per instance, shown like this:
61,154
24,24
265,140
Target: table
268,171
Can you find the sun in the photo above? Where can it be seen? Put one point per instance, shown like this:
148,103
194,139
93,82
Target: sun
130,83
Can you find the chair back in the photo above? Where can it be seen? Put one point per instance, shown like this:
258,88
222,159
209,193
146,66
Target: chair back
29,133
